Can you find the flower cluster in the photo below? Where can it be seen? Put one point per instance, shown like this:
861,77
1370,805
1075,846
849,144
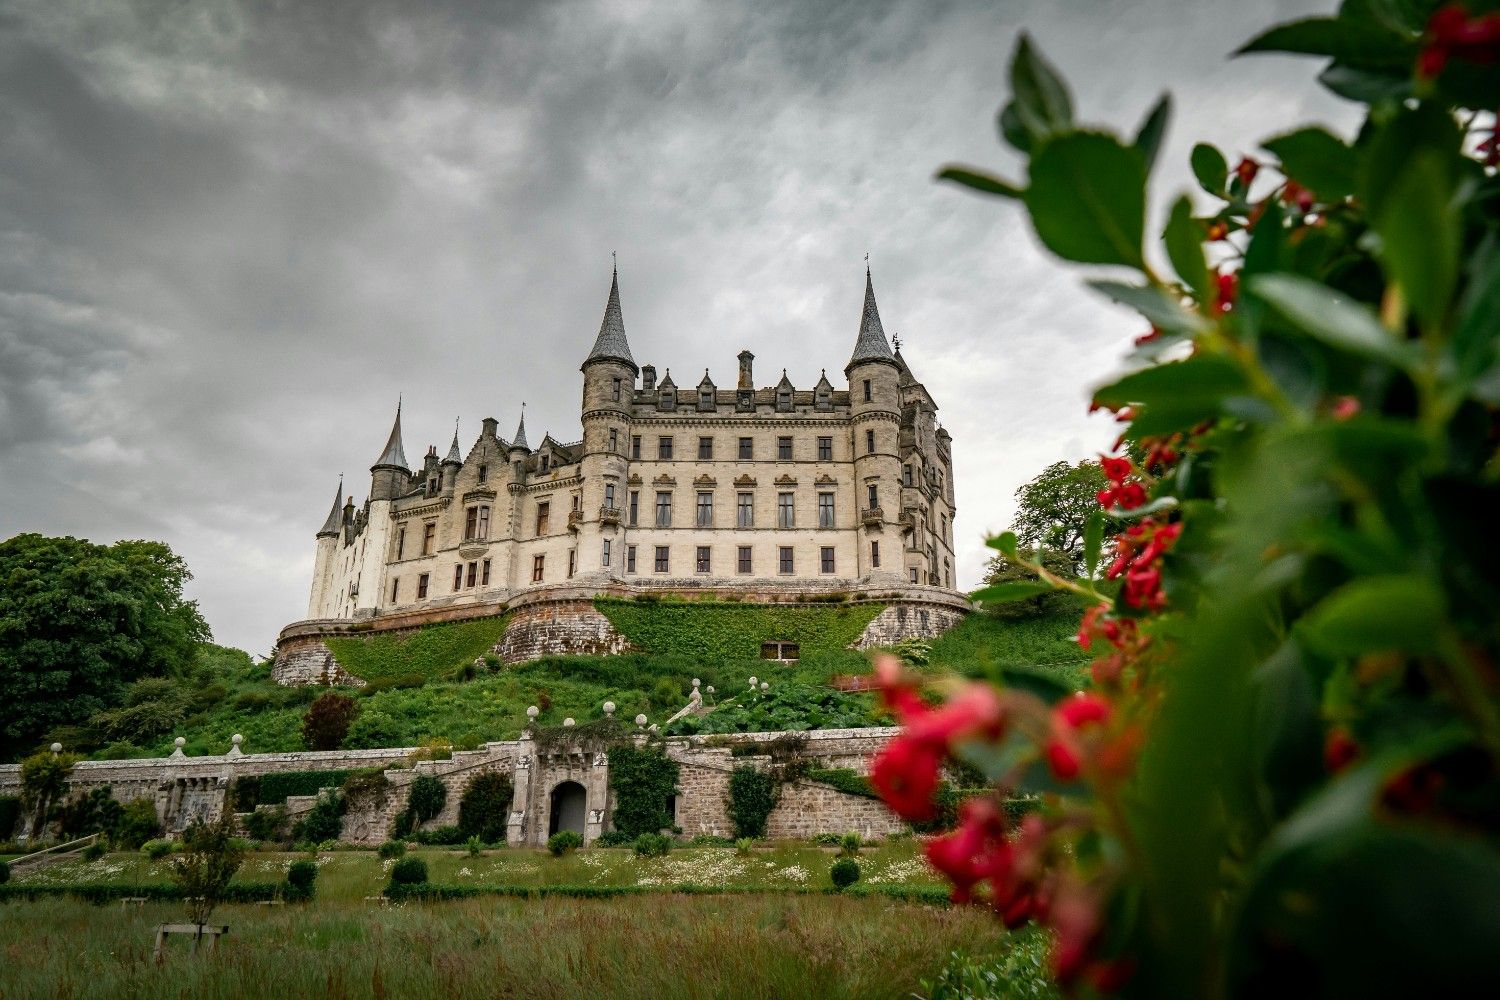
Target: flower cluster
1138,552
1453,33
1127,495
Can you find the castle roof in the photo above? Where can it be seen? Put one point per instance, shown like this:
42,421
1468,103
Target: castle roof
520,441
871,344
454,456
707,382
336,515
611,344
394,454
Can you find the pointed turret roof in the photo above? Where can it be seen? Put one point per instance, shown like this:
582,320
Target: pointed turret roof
336,515
785,382
520,439
611,344
823,382
707,382
871,345
454,456
666,382
394,454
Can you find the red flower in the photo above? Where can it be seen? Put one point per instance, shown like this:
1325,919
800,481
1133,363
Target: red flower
1064,758
1339,750
1081,709
975,851
1246,170
1115,468
1295,194
1344,407
1228,290
1126,496
906,774
1451,33
1065,748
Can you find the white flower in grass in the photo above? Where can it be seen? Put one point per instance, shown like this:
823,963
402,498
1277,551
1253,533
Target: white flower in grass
464,872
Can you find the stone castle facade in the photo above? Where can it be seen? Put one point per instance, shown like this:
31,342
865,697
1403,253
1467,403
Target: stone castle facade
777,490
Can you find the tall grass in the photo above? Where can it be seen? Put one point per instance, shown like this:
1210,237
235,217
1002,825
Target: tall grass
658,947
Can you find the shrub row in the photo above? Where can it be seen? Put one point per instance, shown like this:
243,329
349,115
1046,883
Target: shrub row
273,789
433,891
236,892
844,779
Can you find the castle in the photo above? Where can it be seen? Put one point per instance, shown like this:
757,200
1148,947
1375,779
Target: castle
759,491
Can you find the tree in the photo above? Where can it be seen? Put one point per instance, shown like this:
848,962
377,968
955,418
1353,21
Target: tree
79,622
203,871
1003,569
1053,509
327,721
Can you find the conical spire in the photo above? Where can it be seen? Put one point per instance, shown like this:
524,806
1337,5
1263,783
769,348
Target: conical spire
519,441
336,515
455,456
394,454
611,344
871,345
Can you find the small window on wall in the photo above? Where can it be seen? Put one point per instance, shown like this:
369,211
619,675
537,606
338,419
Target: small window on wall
867,390
662,563
484,574
614,439
914,575
537,565
635,446
615,391
784,560
609,495
701,563
826,560
784,449
473,574
630,558
543,516
664,447
705,449
484,473
429,535
747,449
825,449
743,564
458,576
395,590
422,586
572,562
400,540
874,553
780,651
604,555
869,442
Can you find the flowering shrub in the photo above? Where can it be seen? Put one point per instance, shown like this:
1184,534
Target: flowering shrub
1286,763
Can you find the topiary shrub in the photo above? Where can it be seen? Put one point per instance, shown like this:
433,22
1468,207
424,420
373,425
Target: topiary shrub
563,841
156,849
392,849
425,799
484,807
301,881
752,796
328,720
652,845
409,871
844,873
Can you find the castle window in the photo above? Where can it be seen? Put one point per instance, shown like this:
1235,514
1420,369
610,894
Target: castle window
664,448
572,562
784,449
825,510
874,553
705,510
702,562
429,535
543,515
630,558
784,400
484,473
747,449
874,493
546,461
484,522
825,449
784,560
635,507
395,589
458,576
914,574
616,391
705,399
614,439
826,558
744,560
471,524
869,442
578,501
432,486
906,475
604,555
663,509
422,586
786,514
635,446
484,573
867,391
473,574
667,400
400,540
538,563
745,510
609,494
705,449
661,559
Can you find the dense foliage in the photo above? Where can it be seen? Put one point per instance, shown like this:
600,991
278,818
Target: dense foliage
844,873
79,622
484,807
327,721
717,630
301,881
425,798
751,797
324,821
564,841
274,789
652,845
1289,764
437,652
642,780
785,707
1053,509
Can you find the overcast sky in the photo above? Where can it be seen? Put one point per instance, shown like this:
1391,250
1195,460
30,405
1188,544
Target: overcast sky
231,234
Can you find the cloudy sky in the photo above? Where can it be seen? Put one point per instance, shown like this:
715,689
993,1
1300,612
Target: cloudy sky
231,233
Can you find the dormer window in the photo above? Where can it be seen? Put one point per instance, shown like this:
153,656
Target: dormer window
705,399
784,400
668,399
546,461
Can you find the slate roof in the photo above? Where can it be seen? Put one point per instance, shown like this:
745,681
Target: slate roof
871,345
611,344
394,454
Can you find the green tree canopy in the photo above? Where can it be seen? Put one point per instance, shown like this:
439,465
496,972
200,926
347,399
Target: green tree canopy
1053,509
79,622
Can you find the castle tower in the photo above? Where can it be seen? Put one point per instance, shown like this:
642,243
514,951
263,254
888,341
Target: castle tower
875,412
328,542
452,463
609,374
390,476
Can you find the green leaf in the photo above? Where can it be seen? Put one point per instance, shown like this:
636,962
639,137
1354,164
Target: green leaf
1088,199
1148,137
1202,379
1360,44
1210,168
1161,309
1377,614
1329,317
1184,241
1016,590
1366,86
1012,130
1420,232
1397,142
1478,325
1093,540
1318,160
1004,542
1041,98
980,181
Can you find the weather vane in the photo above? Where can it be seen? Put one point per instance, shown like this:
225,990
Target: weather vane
896,339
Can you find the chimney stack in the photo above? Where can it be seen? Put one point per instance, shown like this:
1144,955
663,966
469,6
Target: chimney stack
648,378
747,380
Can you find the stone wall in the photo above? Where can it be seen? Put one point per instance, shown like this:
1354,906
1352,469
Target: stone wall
306,660
909,620
553,628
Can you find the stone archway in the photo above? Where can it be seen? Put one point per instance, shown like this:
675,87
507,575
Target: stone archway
569,808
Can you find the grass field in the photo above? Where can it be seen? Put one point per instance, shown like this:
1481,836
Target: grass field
648,946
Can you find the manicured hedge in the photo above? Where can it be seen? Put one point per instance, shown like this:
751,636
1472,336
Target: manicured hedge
433,891
844,779
236,892
273,789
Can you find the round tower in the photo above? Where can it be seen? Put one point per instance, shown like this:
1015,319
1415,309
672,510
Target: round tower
609,377
875,421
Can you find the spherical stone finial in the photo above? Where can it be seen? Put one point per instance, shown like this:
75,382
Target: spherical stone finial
696,682
236,739
753,682
57,748
609,708
179,742
764,686
640,720
533,712
569,722
710,689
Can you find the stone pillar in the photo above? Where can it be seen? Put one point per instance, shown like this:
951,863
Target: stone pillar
596,787
515,830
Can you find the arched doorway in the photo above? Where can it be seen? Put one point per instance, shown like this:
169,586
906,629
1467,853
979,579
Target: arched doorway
569,807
